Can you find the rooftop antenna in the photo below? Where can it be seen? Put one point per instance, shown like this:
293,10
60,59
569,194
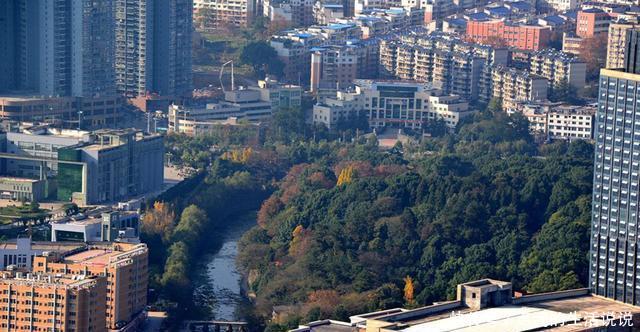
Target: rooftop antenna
233,86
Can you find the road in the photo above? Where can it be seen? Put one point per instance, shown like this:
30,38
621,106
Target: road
154,321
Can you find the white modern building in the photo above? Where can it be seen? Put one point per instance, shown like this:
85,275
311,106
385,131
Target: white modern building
20,252
558,120
110,226
394,104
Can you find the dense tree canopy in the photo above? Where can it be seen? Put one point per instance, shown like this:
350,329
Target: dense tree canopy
384,229
351,228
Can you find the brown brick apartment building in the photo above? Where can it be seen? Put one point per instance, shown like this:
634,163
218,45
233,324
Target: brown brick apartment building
47,302
125,267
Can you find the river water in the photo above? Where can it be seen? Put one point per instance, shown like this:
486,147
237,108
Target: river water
218,282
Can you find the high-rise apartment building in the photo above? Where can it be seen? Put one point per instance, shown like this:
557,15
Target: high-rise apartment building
448,63
333,67
92,42
173,26
7,44
617,42
134,47
559,68
511,85
614,253
58,47
87,48
153,47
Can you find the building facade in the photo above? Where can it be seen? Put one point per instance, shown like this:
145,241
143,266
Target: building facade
332,68
520,36
210,15
21,252
251,105
449,64
512,86
393,104
614,272
65,112
52,302
114,165
617,42
125,268
591,22
134,47
559,68
172,38
559,121
58,47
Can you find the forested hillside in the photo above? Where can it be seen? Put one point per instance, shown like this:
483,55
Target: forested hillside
351,228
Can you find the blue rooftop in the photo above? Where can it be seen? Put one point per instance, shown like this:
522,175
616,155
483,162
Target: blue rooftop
521,5
482,16
555,19
457,21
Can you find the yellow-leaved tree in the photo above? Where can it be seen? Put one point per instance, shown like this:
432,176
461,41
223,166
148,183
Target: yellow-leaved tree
346,175
408,290
159,221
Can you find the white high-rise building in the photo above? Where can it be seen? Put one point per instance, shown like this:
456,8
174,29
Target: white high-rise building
134,47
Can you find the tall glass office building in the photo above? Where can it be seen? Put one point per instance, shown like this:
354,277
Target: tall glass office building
615,270
614,266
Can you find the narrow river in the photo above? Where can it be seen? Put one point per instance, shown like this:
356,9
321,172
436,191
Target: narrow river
217,285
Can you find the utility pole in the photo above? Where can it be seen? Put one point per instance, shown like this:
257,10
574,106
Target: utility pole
79,120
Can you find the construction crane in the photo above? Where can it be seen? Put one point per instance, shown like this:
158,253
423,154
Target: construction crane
233,86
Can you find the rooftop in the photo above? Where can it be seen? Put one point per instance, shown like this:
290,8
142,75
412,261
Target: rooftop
492,308
103,254
46,279
44,246
92,257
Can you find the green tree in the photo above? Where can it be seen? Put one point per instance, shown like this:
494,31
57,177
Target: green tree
564,92
263,58
288,125
191,225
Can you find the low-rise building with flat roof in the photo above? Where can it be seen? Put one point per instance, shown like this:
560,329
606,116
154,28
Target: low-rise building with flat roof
21,189
558,120
69,112
111,226
21,251
395,104
488,305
